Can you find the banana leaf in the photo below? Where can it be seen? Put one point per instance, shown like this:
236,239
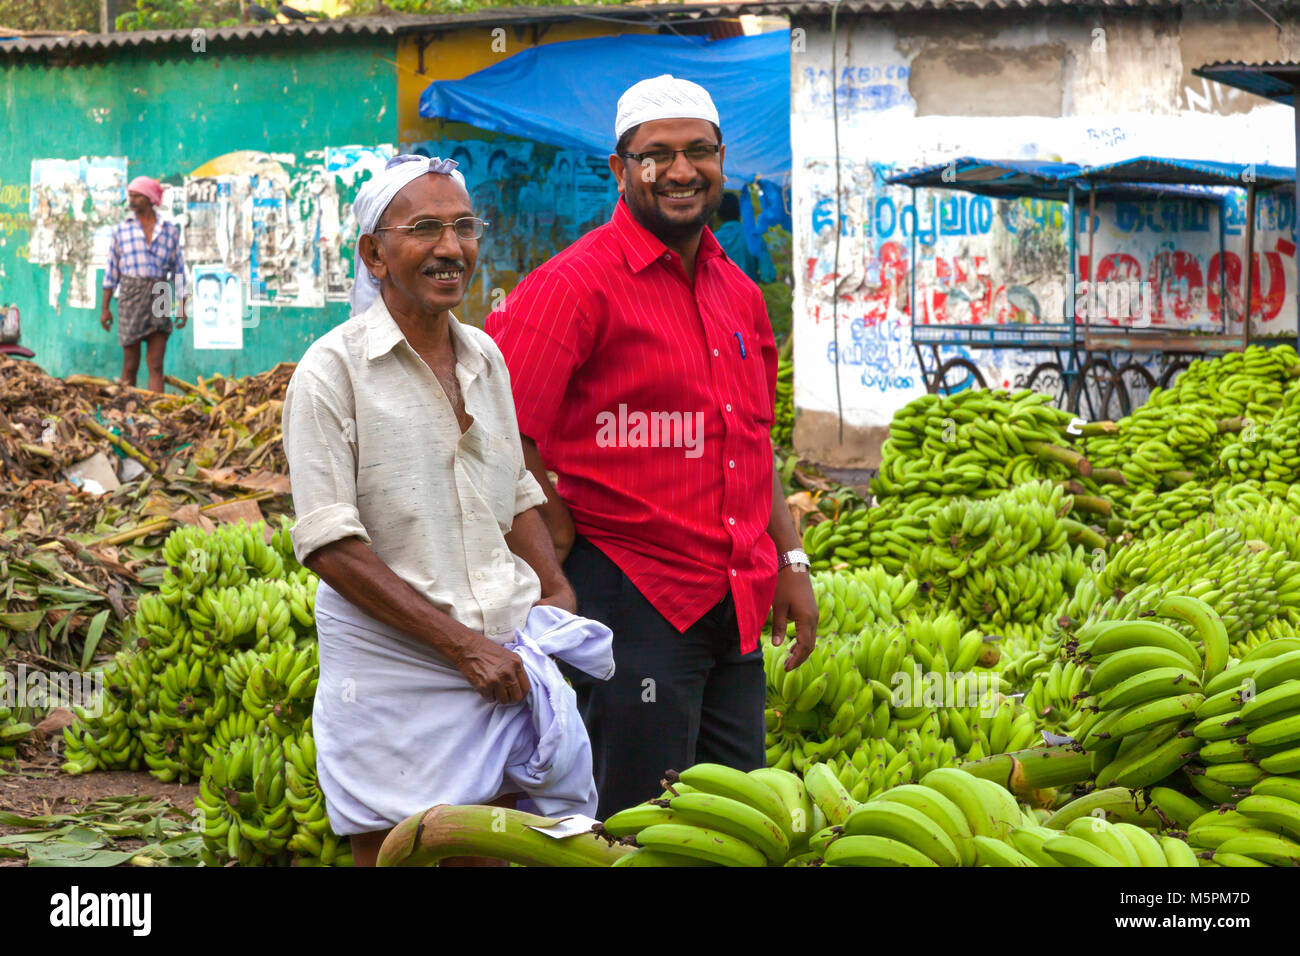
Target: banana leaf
93,635
21,620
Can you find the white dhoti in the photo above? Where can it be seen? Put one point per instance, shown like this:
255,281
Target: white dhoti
398,729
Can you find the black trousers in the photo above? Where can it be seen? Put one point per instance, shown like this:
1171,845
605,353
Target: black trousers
675,699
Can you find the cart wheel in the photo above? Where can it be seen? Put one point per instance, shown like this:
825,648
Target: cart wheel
1097,392
1171,373
1049,378
956,375
1138,384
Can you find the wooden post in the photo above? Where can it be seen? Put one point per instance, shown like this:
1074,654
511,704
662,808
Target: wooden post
107,16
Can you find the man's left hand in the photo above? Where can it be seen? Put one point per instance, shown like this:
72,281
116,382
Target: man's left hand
180,318
562,596
794,601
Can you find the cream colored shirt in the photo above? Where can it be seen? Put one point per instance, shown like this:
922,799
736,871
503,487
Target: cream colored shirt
375,451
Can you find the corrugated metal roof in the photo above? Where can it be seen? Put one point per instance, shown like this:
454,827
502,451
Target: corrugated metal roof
1275,81
399,24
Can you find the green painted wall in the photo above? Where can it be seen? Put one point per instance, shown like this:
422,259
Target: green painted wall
168,115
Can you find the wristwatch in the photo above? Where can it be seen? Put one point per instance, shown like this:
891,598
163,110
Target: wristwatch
794,559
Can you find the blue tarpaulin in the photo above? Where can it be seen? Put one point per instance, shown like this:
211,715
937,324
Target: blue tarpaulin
566,94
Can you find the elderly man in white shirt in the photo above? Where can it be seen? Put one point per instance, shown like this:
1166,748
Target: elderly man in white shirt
417,512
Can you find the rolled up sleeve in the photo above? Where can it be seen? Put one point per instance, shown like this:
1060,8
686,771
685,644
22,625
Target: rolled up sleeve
528,493
320,446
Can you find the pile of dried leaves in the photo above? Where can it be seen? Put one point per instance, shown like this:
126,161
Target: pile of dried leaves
72,562
48,424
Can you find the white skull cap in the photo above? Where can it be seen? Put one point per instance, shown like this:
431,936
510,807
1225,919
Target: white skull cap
663,97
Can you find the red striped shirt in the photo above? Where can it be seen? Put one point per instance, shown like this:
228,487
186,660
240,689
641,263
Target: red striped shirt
610,330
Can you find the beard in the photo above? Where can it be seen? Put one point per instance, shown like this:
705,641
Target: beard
646,209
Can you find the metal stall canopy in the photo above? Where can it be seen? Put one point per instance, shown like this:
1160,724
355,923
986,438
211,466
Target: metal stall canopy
1253,177
1034,179
1196,172
1274,81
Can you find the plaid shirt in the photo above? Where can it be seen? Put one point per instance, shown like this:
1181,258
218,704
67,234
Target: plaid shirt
129,256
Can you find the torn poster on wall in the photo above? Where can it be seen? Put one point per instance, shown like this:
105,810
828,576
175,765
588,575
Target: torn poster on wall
280,226
73,206
283,227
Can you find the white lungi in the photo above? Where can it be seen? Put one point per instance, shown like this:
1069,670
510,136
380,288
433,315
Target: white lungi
398,729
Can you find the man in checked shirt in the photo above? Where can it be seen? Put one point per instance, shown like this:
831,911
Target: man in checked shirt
644,369
144,260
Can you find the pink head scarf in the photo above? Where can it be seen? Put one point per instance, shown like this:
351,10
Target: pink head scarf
146,187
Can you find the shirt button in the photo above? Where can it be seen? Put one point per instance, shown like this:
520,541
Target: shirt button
731,464
471,516
733,572
715,351
731,521
478,575
728,406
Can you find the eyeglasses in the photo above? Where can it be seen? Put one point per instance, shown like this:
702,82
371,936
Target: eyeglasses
430,230
666,157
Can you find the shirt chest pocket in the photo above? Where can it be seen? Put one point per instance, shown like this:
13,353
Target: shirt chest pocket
751,384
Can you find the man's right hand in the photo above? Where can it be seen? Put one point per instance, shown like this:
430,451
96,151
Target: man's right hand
493,671
106,318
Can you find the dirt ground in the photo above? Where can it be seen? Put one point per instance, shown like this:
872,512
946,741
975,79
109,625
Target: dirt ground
34,785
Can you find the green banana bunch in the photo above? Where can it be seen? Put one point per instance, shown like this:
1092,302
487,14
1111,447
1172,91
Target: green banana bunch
1055,694
242,799
104,742
219,685
939,822
313,839
280,688
718,817
1147,679
15,724
973,443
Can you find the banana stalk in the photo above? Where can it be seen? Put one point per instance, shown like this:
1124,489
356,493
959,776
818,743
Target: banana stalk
1035,769
1082,534
121,443
423,839
1097,429
1109,476
1092,504
1065,456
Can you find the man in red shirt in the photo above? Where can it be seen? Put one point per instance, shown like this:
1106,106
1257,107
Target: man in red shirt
644,370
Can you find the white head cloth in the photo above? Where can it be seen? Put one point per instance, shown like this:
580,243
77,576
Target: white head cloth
373,198
663,97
